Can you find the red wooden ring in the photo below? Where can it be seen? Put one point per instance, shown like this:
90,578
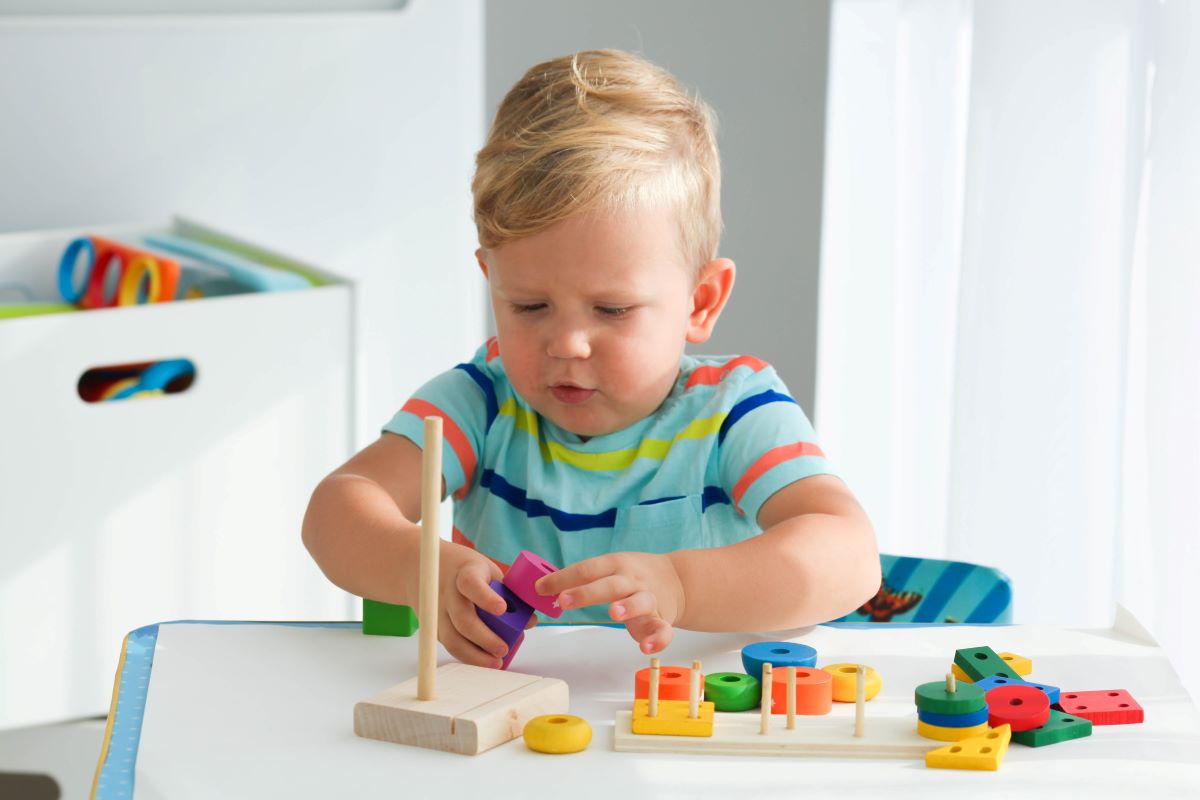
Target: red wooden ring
1022,707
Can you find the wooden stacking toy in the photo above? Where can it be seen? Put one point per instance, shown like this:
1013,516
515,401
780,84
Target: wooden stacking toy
480,708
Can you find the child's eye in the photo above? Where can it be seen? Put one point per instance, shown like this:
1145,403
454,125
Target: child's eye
613,311
518,308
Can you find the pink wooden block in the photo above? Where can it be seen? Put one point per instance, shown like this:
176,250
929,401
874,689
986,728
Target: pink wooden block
527,568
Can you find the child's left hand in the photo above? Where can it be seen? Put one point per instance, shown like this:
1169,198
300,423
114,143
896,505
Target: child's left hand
643,590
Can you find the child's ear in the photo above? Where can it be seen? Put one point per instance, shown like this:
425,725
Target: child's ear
713,287
482,263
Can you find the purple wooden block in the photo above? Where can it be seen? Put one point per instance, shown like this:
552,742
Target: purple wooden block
525,571
509,626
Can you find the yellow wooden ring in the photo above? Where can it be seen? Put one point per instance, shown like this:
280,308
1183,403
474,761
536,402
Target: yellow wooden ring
131,282
558,733
950,734
845,682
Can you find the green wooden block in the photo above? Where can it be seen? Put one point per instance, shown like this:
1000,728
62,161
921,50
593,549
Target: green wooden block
967,698
385,619
1059,728
732,691
982,662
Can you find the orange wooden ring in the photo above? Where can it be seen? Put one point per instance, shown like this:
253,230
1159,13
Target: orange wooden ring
674,683
814,691
106,250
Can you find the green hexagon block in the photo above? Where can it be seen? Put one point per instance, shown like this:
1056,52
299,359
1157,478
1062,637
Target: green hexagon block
732,691
385,619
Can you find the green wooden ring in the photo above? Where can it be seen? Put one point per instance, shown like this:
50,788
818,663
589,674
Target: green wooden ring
934,697
732,691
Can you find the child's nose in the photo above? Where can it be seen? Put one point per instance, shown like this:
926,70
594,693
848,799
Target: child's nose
569,341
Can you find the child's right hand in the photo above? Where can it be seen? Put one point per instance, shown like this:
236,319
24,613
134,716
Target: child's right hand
463,584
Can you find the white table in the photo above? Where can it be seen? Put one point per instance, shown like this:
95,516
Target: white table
264,710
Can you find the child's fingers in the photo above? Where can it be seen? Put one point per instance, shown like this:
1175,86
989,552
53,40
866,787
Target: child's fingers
473,585
586,571
462,648
638,604
604,590
652,633
467,624
532,622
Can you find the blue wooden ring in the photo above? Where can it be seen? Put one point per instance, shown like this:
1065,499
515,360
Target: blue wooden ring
968,720
777,654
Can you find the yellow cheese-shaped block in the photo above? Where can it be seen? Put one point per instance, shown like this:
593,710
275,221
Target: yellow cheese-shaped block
958,673
949,734
672,718
1020,664
845,682
978,752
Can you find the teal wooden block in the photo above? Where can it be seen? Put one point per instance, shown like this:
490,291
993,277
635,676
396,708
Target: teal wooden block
982,662
1059,728
386,619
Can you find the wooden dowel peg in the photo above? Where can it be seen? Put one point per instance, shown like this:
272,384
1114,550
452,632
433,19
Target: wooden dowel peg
653,695
791,698
951,684
860,700
431,501
765,703
694,692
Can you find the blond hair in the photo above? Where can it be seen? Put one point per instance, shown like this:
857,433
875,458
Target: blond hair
600,130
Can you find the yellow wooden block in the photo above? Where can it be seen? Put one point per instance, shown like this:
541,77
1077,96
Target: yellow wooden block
958,673
672,719
1020,664
978,752
949,734
845,681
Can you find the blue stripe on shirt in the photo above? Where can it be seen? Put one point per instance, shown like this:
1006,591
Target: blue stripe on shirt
744,407
489,391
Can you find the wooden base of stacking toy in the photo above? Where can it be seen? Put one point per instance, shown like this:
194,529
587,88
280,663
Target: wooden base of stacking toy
740,734
476,709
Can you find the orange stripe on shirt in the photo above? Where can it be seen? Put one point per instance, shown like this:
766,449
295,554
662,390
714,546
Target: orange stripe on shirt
452,433
458,537
707,376
493,348
776,455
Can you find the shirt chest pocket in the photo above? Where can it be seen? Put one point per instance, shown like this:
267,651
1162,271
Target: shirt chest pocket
661,527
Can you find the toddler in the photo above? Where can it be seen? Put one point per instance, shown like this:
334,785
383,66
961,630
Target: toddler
675,491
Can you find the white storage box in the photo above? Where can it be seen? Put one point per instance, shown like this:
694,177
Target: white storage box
185,506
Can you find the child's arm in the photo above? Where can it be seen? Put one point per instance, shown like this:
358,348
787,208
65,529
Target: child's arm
362,529
815,560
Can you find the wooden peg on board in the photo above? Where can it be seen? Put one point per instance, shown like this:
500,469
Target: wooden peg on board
860,700
791,698
767,698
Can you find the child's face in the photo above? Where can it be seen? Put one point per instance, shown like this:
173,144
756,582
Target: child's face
592,316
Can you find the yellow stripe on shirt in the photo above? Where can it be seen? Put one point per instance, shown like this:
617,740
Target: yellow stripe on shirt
526,420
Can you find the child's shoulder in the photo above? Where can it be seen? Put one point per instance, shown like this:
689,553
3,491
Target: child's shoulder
727,378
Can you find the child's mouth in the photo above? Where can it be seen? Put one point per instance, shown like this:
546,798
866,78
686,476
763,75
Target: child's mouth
571,394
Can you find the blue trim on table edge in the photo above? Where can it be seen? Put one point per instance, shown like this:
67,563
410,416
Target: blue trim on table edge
130,704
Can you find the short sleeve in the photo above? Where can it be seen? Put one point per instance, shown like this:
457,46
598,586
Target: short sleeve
465,399
765,443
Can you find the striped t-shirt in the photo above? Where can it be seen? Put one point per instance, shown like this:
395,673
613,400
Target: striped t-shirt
692,474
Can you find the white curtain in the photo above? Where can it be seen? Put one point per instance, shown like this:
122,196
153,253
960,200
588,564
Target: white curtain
1009,331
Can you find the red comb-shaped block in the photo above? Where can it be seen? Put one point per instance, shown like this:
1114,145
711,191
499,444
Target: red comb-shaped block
1106,707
